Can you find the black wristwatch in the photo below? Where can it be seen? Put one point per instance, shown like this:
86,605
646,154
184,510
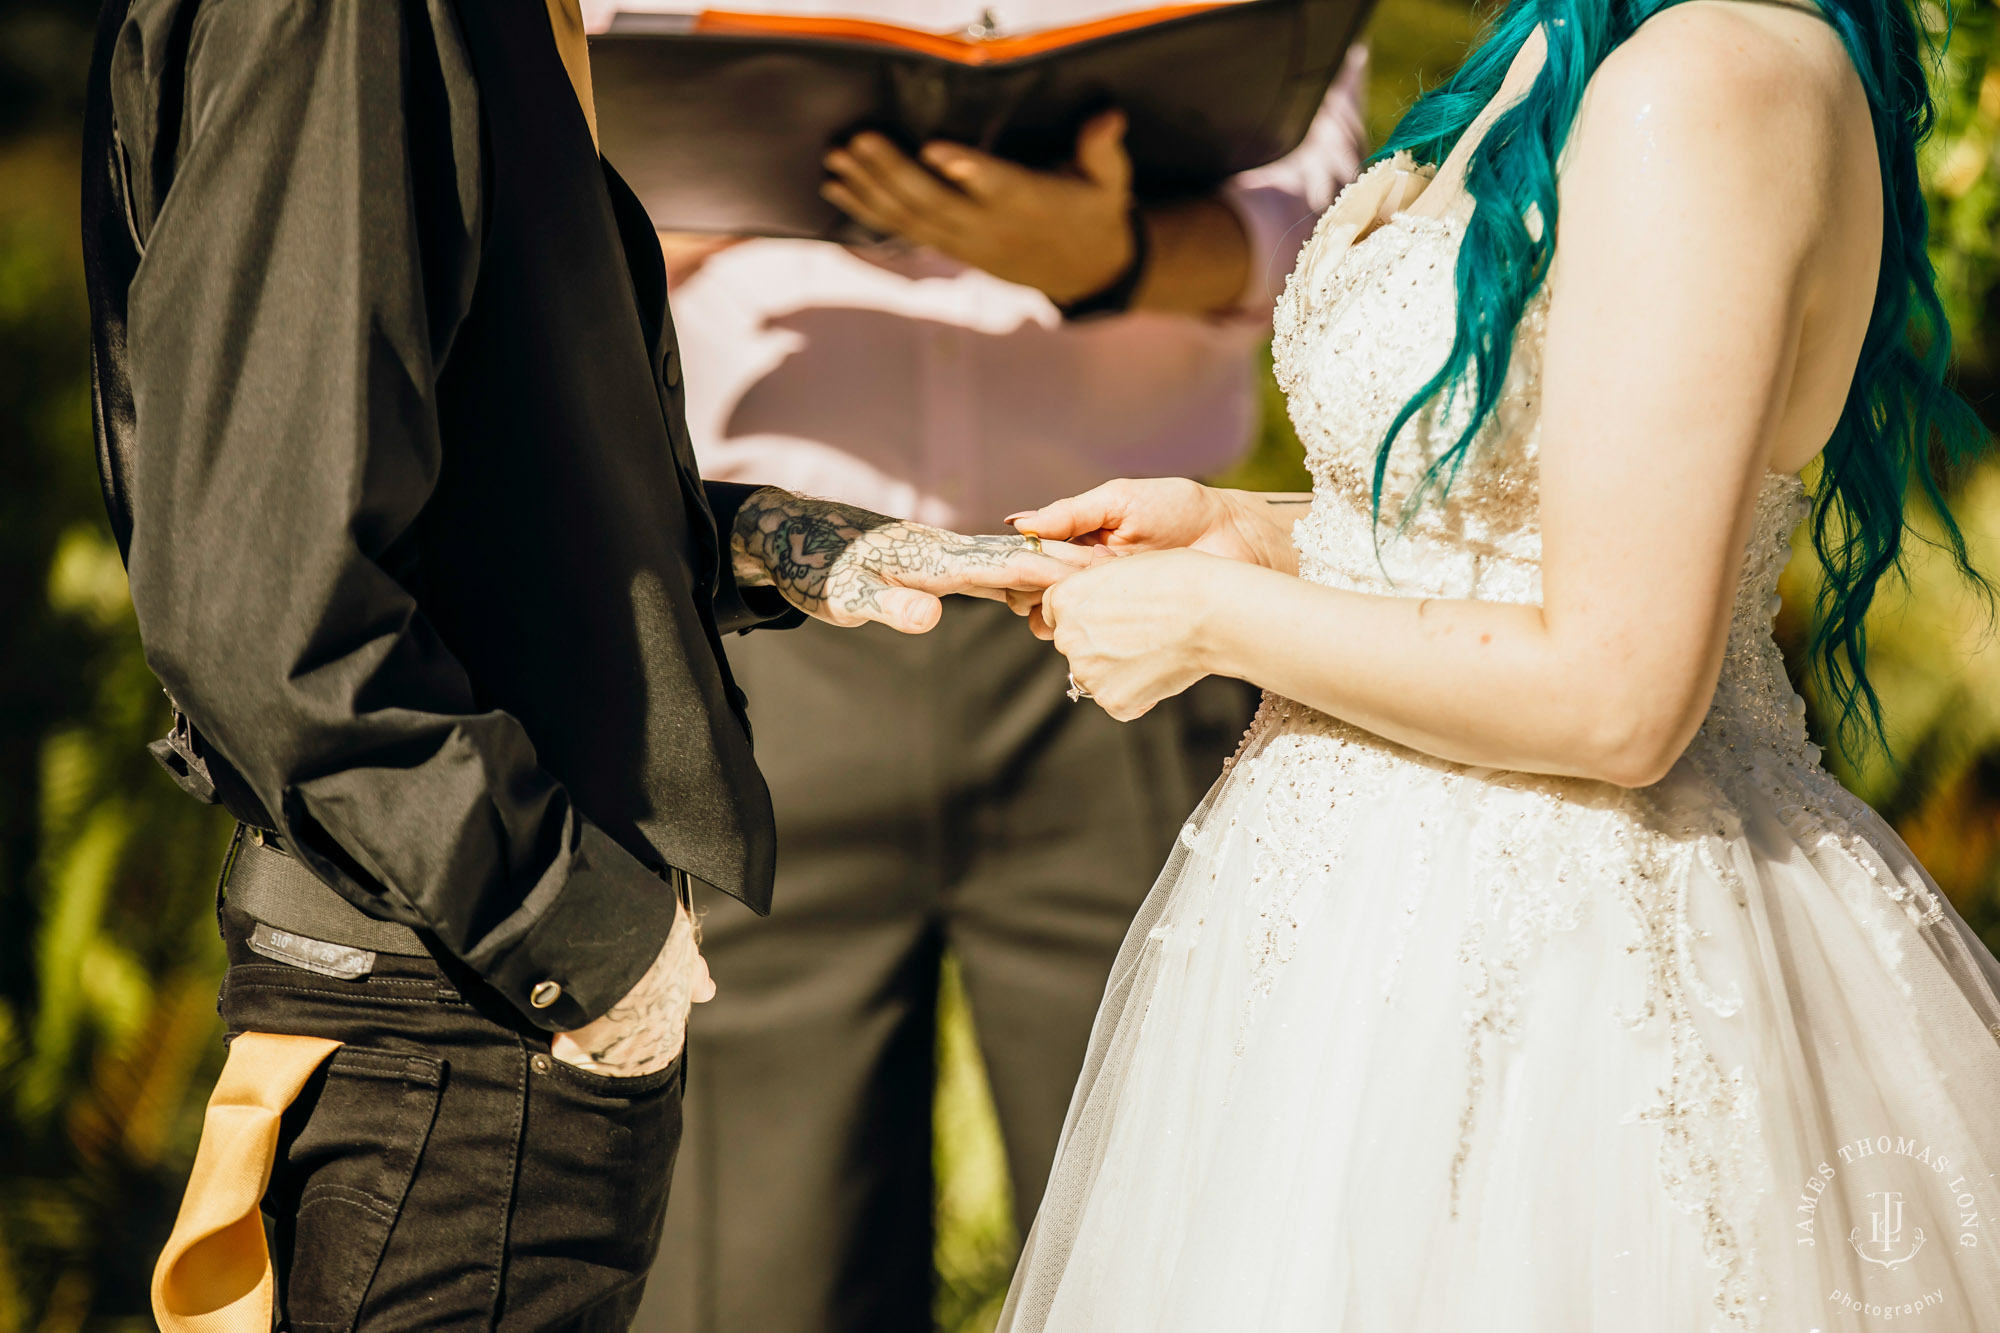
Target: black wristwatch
1115,299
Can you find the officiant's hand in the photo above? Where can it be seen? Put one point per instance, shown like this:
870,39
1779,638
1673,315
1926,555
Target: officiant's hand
848,566
1065,232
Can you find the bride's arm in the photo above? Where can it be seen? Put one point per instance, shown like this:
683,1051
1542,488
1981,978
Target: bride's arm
1695,216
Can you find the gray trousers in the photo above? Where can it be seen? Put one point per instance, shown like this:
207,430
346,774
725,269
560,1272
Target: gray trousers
932,792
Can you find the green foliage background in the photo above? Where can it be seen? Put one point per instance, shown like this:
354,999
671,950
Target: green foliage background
108,959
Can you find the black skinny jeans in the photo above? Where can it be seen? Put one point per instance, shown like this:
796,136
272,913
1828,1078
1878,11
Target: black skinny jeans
442,1170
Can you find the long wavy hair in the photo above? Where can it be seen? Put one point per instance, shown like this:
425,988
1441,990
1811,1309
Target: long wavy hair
1902,423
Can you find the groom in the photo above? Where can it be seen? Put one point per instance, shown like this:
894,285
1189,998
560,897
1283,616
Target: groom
389,419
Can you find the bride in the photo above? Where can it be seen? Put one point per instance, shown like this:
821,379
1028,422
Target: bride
1525,971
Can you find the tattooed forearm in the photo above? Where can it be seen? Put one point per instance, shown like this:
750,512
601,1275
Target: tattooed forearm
835,560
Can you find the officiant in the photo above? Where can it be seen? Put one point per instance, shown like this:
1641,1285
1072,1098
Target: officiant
1019,335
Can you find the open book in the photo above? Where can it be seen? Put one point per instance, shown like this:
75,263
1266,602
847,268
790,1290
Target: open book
719,120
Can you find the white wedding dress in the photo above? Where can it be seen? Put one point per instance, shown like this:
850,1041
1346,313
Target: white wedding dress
1401,1046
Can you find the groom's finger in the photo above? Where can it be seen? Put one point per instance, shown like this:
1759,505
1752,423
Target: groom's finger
1019,569
908,610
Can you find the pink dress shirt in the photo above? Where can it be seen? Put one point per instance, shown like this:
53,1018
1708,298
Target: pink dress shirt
907,382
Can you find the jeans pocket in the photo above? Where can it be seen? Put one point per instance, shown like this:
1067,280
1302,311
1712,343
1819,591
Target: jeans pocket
620,1086
597,1154
348,1151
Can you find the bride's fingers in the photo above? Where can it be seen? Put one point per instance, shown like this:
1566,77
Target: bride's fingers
1069,555
1038,625
1078,516
1058,522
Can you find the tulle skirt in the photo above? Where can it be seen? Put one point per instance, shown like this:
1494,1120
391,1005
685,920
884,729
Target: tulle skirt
1396,1046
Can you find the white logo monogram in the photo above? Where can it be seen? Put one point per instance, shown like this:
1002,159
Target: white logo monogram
1912,1195
1885,1232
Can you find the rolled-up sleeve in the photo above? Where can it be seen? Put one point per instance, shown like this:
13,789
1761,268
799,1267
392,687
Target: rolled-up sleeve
1279,202
299,286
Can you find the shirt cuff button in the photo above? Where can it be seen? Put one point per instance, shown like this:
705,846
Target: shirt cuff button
544,994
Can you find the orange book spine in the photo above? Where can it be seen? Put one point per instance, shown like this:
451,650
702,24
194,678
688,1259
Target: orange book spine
945,46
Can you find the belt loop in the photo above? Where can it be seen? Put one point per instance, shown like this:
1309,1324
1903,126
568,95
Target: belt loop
228,864
684,895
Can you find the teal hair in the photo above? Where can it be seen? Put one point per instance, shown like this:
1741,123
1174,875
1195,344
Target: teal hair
1901,425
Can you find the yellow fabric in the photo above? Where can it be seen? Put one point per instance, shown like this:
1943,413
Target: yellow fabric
214,1276
566,17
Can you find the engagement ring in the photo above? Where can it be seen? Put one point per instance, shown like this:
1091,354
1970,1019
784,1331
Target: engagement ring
1076,691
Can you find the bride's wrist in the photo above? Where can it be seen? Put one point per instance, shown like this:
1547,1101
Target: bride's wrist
1211,646
1263,521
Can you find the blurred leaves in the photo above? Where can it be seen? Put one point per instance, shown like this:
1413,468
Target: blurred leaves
108,1033
976,1242
1413,45
44,50
1962,185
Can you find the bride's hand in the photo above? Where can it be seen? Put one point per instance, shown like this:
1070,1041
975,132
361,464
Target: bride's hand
1168,513
1133,629
848,566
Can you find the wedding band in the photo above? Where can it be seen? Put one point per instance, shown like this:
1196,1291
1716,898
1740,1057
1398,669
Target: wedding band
1034,542
1076,692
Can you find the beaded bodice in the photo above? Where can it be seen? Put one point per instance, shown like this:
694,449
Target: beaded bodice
1360,328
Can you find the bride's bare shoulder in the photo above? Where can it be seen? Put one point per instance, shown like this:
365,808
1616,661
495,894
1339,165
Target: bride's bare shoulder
1760,70
1750,106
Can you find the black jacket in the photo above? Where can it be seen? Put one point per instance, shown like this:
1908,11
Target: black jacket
389,419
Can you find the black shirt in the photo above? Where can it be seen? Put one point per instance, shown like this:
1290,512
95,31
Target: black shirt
390,425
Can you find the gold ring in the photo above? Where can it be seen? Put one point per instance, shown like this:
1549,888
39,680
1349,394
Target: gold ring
1034,542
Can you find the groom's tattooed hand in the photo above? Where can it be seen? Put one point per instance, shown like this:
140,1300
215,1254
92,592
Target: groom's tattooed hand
646,1028
836,561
